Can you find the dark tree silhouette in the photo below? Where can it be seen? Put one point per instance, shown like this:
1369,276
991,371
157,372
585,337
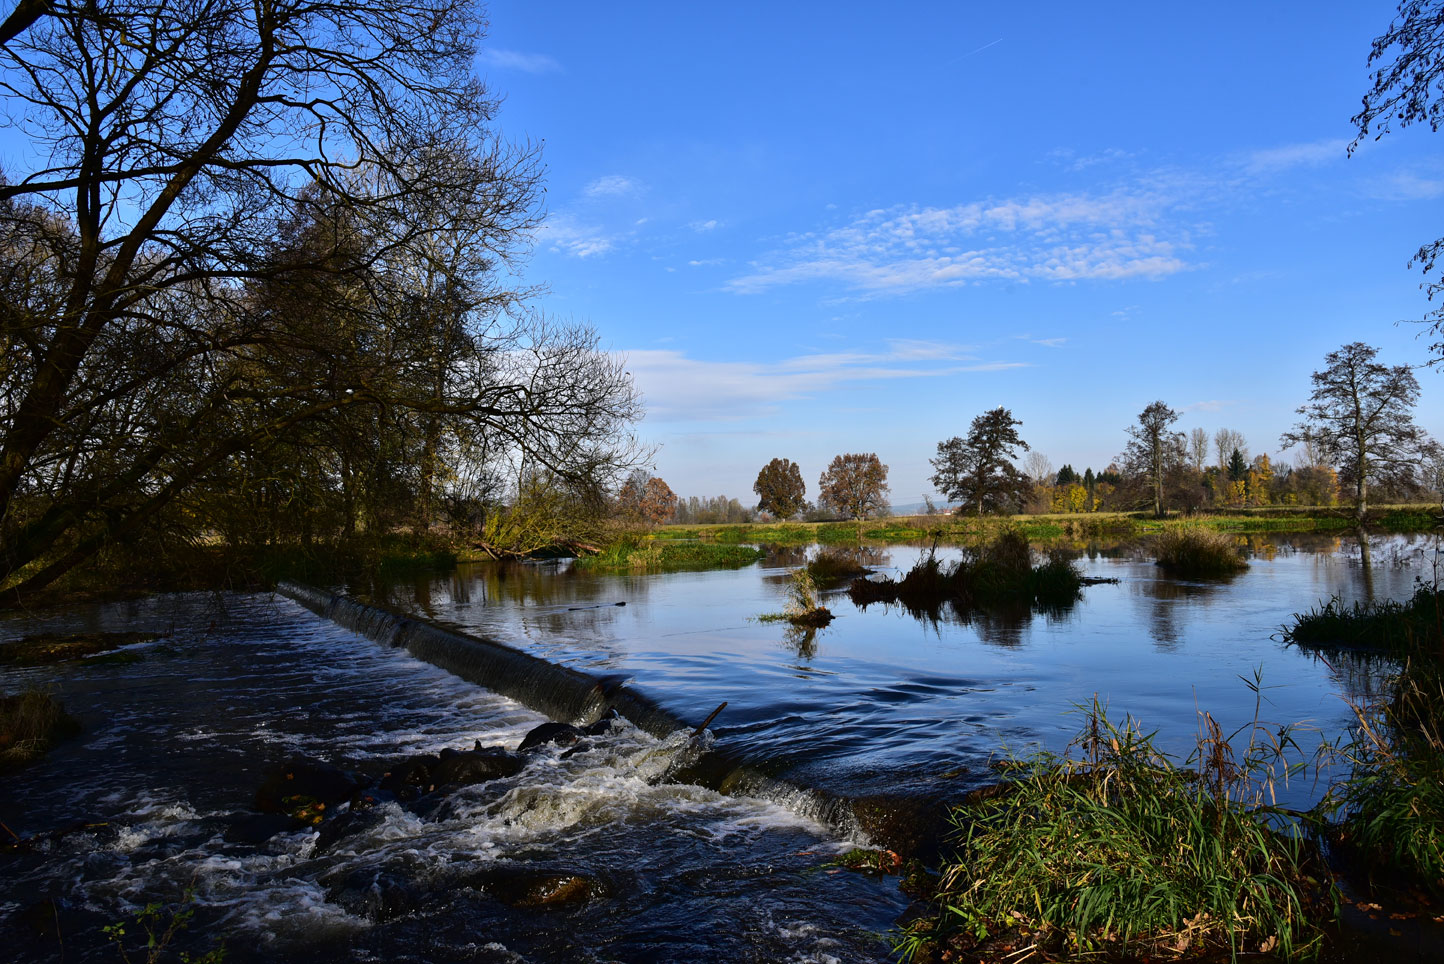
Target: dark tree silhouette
977,472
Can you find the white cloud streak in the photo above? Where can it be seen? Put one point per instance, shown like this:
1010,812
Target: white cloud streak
679,388
516,60
612,185
1062,237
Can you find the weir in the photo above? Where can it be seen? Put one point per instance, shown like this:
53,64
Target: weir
566,695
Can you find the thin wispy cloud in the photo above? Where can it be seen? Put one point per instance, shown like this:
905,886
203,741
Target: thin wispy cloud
1059,237
565,234
677,387
1274,159
612,185
517,60
1212,405
702,227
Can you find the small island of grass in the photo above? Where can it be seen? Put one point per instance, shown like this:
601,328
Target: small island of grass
1196,553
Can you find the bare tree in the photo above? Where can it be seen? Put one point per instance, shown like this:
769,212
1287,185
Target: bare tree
1038,468
177,144
1360,412
1198,448
1225,442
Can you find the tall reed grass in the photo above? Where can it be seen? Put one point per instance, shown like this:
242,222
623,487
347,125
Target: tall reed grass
1111,848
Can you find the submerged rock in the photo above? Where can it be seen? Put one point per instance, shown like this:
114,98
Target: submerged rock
411,777
377,895
342,826
477,766
305,788
908,826
257,828
539,887
562,734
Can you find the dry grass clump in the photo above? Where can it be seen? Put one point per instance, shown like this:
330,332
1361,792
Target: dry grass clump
30,724
1198,553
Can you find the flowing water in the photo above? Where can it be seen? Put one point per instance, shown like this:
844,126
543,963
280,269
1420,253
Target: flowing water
140,807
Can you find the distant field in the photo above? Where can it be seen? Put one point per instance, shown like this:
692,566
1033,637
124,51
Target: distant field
1390,518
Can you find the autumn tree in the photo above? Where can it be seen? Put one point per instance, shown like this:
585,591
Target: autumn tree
1361,413
1408,88
854,485
1153,451
977,472
646,498
780,489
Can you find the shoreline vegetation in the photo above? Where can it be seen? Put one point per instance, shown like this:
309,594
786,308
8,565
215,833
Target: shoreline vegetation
1114,849
211,565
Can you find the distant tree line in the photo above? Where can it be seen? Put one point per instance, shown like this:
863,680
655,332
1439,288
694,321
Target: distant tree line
1356,441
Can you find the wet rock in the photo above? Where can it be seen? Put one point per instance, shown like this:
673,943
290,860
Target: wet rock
562,734
411,777
42,918
304,789
604,725
344,825
539,887
908,826
257,828
377,895
368,797
477,766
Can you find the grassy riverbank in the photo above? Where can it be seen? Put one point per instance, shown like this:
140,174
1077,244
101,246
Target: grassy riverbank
1114,849
1043,528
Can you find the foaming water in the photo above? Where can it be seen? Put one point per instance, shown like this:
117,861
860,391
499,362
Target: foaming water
138,810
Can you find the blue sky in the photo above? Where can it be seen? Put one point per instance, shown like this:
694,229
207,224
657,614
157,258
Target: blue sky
824,228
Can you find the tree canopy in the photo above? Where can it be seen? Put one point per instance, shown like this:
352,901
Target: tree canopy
1407,87
1360,416
270,249
1153,451
780,489
977,472
854,485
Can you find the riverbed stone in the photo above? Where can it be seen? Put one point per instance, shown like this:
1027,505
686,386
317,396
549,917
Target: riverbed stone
411,777
539,887
257,828
345,824
375,894
562,734
908,826
477,766
304,784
